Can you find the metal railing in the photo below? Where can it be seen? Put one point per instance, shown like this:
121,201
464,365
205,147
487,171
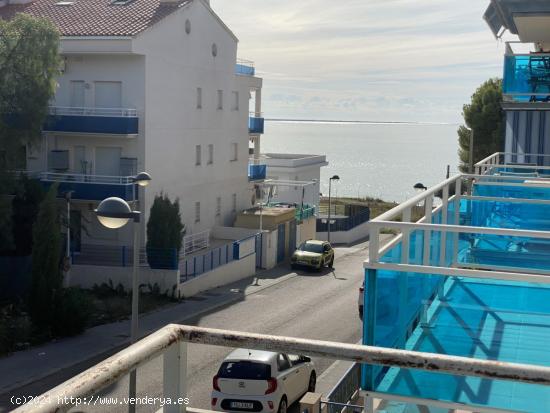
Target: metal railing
195,242
343,224
506,163
199,264
171,342
345,391
245,67
84,178
82,111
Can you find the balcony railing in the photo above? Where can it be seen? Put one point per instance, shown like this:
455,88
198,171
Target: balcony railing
171,343
114,121
527,77
91,187
480,255
245,67
256,171
510,164
256,123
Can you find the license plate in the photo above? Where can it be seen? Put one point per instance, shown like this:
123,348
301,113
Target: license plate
242,405
303,262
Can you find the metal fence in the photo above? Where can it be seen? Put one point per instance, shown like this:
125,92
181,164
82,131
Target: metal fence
343,224
345,390
199,264
123,256
195,242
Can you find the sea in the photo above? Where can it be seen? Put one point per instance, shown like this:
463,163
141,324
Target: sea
381,160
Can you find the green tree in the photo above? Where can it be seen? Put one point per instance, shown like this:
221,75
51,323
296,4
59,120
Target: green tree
29,64
483,115
25,207
46,254
165,231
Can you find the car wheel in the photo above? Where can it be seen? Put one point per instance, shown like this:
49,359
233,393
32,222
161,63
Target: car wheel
282,405
312,382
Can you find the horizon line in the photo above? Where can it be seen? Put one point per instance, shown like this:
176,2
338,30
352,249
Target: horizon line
372,122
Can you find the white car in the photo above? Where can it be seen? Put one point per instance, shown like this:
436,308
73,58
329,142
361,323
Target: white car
261,381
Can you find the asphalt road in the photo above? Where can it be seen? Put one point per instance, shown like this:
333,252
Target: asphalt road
309,305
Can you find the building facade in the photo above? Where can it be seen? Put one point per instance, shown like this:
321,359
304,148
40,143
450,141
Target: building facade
147,86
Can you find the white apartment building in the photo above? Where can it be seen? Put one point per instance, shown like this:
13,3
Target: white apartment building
147,85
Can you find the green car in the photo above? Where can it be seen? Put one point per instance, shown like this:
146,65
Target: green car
313,254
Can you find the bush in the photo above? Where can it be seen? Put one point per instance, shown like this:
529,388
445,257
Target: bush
165,231
72,313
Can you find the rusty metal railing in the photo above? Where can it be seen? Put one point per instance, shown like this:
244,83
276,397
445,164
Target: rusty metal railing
171,342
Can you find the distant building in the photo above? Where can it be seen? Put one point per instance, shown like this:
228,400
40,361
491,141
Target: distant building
526,83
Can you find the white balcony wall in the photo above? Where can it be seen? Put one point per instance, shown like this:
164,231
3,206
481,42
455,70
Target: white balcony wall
177,64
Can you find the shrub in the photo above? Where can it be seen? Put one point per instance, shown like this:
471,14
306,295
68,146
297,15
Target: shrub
72,312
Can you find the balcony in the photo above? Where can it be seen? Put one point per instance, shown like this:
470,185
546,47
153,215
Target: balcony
469,279
527,77
255,124
256,170
245,67
116,121
91,187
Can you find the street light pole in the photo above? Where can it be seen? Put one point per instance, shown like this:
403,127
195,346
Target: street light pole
334,178
115,213
471,151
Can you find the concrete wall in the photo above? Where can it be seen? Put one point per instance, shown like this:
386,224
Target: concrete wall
226,274
306,230
177,64
233,233
269,249
346,237
86,276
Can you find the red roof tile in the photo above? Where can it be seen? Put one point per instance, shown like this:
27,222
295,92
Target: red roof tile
97,17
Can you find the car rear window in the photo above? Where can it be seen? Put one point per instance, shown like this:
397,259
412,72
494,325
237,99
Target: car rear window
246,370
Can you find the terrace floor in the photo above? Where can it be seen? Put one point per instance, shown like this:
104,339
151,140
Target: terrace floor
505,321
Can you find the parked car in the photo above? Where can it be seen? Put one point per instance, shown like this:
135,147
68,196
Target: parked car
361,299
313,254
261,381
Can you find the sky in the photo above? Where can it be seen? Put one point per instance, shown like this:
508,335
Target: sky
366,60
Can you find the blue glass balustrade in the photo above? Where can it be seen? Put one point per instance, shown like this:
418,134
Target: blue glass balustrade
255,124
257,172
92,120
245,69
527,77
483,318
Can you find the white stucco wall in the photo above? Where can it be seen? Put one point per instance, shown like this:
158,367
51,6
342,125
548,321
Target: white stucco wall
86,276
176,65
226,274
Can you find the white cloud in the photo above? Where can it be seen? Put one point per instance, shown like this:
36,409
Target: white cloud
365,59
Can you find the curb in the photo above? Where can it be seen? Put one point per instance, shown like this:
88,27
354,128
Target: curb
124,343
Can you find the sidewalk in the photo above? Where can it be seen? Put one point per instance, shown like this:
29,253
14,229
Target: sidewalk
25,367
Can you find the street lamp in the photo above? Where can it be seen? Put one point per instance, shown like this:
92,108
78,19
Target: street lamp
114,213
334,178
419,187
68,196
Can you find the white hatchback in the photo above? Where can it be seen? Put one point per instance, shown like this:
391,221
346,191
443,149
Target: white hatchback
261,381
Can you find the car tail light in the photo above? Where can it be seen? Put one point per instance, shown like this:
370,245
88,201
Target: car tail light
214,401
270,404
215,383
271,385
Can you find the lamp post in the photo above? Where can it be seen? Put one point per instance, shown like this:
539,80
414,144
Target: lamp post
68,196
114,213
471,150
334,178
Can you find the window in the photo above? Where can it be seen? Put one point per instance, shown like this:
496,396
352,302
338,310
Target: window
210,154
244,370
218,206
282,363
220,99
234,151
197,155
199,98
234,203
197,212
235,101
77,93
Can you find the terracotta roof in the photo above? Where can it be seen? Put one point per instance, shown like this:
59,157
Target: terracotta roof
97,17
